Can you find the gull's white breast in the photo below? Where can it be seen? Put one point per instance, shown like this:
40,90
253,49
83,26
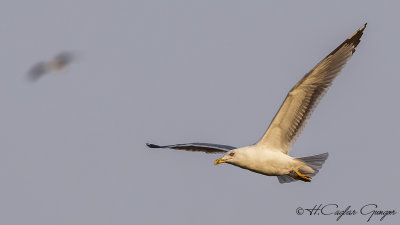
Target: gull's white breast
267,162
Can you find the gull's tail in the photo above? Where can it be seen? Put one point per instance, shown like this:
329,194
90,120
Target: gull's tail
315,162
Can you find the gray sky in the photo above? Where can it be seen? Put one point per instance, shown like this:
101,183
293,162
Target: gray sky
73,144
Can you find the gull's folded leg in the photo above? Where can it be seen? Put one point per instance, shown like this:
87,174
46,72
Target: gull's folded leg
300,176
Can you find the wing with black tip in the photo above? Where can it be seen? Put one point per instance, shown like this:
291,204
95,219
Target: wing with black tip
196,147
305,95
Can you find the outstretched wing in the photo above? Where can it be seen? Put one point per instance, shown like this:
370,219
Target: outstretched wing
38,70
64,58
196,147
305,95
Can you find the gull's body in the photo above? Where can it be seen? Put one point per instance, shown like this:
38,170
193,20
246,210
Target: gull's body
263,161
270,155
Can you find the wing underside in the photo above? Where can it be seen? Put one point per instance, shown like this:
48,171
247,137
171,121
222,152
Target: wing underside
196,147
305,95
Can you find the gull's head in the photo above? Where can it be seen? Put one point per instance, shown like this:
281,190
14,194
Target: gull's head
231,157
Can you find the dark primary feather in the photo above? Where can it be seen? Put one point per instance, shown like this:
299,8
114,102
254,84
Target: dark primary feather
196,147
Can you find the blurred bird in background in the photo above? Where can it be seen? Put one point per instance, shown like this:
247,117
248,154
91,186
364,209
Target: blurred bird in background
58,63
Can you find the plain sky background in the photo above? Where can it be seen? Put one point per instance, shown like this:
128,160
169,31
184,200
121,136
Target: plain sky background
72,145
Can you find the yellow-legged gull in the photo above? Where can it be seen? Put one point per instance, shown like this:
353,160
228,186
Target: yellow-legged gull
270,155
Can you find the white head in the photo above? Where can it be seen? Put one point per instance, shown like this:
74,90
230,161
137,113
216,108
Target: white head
234,157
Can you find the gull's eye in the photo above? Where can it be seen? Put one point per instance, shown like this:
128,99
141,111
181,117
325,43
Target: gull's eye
231,154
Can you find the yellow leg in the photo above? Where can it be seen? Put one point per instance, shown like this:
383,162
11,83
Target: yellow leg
300,176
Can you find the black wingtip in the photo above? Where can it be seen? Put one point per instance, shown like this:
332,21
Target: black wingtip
353,40
363,27
356,37
152,145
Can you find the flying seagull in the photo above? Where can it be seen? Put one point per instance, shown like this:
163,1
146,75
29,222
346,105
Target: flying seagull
269,156
57,63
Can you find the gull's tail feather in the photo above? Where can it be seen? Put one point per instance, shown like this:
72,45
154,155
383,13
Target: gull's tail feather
285,179
315,162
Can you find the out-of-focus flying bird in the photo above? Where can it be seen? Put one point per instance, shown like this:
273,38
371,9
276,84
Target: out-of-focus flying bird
58,63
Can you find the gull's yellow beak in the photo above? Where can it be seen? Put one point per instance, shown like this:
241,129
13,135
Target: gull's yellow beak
218,161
